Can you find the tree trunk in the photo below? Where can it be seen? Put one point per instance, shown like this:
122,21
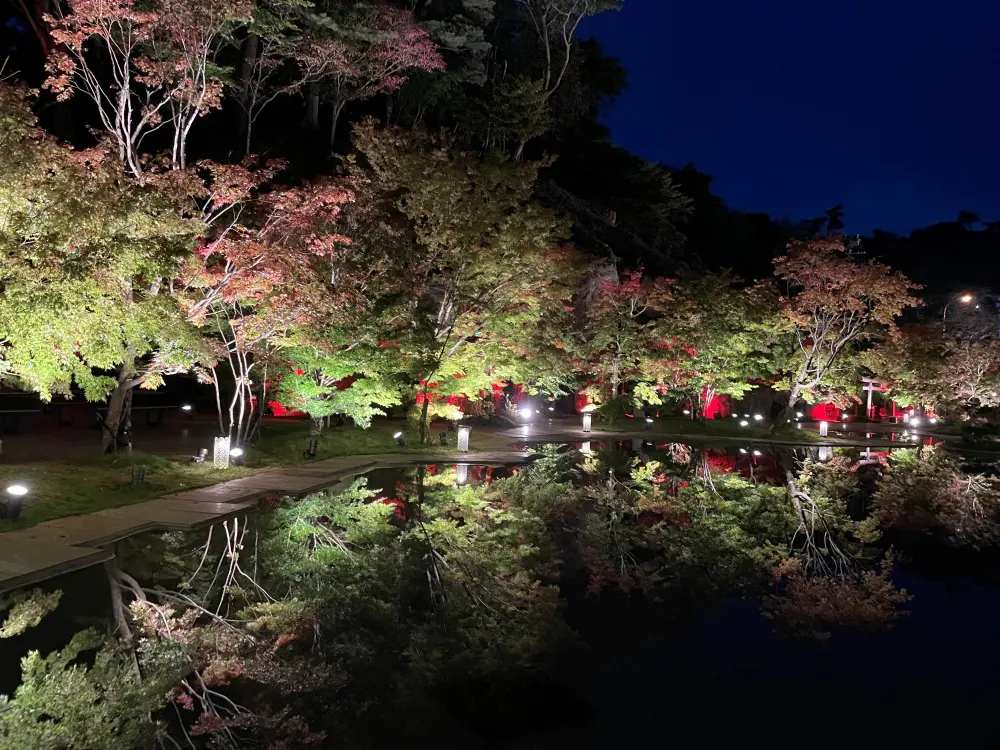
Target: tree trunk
423,416
250,48
615,379
311,120
117,433
338,107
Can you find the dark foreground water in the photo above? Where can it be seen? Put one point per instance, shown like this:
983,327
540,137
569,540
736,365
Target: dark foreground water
668,676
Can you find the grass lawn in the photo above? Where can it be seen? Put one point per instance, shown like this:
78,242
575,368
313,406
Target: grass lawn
86,485
284,443
73,487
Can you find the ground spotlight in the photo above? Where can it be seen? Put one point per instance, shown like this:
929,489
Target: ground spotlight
400,440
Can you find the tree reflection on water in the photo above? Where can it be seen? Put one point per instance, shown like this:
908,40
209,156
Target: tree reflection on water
311,618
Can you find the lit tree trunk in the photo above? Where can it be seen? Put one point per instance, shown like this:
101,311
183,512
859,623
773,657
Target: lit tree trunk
250,51
615,377
707,396
118,423
338,107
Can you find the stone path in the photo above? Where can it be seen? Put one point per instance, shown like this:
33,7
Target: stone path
63,545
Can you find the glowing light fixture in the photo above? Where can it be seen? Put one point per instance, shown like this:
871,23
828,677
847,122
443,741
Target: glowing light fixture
463,439
186,407
756,453
220,452
588,421
915,420
966,298
743,450
17,490
845,416
400,440
933,420
526,413
798,415
824,429
743,423
757,417
236,452
687,411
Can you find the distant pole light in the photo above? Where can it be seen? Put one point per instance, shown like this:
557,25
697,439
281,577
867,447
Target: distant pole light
757,417
933,420
743,423
743,450
798,415
756,453
400,440
915,420
824,429
746,416
17,490
186,407
966,298
687,411
552,408
588,420
845,416
526,413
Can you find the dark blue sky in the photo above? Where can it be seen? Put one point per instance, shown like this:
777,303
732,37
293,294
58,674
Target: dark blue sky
888,106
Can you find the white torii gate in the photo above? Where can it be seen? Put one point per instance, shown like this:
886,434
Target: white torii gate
870,385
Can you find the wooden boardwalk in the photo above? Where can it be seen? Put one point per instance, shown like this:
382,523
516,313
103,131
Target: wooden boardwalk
63,545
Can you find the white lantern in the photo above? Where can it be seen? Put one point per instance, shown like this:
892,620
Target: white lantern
463,439
462,474
824,429
585,448
588,420
220,454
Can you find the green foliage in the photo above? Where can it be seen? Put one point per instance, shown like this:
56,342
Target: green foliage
27,608
81,244
931,492
64,703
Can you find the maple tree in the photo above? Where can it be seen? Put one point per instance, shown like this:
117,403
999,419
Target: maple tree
262,276
487,262
84,250
362,50
160,61
622,343
834,301
734,336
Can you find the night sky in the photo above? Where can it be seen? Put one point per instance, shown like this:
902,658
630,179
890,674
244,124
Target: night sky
889,107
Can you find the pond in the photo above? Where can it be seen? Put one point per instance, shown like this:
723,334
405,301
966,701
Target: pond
604,595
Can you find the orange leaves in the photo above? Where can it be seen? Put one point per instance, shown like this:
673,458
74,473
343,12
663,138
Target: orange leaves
824,277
